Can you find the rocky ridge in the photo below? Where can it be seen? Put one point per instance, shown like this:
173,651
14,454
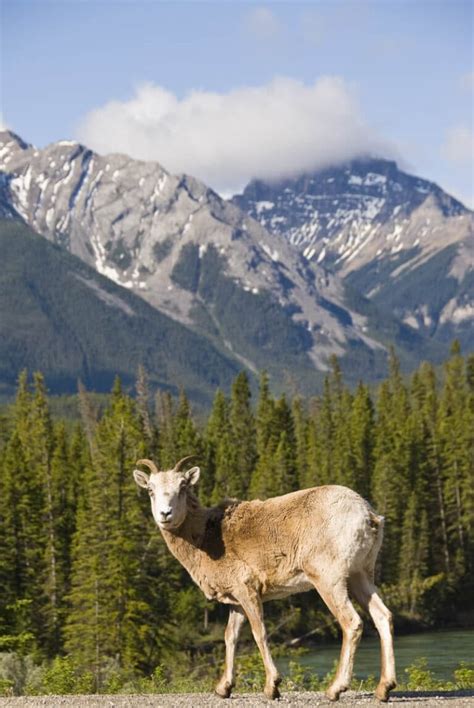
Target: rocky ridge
177,244
381,230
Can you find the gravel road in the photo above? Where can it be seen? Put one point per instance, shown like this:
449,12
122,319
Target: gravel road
421,699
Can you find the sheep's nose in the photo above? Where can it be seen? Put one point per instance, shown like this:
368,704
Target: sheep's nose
165,514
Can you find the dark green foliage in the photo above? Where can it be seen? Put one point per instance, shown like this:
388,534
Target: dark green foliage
242,426
120,254
395,295
85,573
378,271
161,249
383,325
254,323
59,316
187,270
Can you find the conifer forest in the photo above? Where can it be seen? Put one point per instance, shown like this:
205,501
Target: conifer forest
86,576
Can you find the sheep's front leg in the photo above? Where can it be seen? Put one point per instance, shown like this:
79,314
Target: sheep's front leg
253,607
231,636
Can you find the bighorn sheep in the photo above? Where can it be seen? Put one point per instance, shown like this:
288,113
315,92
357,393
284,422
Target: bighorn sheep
244,553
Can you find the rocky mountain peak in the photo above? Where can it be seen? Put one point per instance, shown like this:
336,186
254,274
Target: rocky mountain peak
189,253
336,215
10,143
385,232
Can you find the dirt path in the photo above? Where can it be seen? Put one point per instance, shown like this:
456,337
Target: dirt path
421,699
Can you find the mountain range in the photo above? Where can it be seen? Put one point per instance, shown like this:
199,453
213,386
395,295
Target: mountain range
399,240
278,278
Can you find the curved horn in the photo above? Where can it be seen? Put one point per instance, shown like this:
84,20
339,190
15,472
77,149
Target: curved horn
148,463
183,459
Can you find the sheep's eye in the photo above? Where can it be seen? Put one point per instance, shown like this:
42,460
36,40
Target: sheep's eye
151,492
182,486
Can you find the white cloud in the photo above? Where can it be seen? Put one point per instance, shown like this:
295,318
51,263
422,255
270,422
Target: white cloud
262,23
225,139
459,144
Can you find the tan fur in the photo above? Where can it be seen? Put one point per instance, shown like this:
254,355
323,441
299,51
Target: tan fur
243,553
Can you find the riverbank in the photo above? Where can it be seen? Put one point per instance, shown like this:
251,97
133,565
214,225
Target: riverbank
444,652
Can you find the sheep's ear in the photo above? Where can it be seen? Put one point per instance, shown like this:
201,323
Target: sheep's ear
192,475
141,478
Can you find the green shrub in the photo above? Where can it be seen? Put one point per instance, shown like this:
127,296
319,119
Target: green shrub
250,673
62,677
301,678
464,675
16,671
6,687
420,677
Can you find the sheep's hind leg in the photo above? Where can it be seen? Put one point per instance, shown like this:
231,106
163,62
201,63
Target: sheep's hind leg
231,636
337,599
253,607
365,592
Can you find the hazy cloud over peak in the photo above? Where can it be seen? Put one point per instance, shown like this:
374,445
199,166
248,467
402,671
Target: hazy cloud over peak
466,81
225,139
459,144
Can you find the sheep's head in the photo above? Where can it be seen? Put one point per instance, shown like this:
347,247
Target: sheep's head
168,491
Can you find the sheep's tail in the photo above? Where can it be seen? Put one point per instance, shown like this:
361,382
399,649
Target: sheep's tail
377,523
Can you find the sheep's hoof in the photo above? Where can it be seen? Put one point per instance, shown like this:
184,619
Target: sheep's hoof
332,695
382,691
333,692
272,691
223,690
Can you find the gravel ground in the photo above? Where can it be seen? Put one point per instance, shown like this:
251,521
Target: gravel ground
420,699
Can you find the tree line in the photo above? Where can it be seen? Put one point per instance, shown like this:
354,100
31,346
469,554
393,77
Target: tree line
84,571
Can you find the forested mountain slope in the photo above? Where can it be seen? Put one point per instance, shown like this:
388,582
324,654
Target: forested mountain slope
60,316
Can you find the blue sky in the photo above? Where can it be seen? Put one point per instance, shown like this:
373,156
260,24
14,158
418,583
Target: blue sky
225,90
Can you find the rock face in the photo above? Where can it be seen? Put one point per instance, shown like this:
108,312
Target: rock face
397,239
197,258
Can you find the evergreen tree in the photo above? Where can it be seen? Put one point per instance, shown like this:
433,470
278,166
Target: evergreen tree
301,425
22,533
243,435
167,442
266,441
221,470
108,613
143,406
18,521
321,440
361,431
425,396
391,470
264,416
414,553
88,414
456,425
343,464
285,456
40,455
